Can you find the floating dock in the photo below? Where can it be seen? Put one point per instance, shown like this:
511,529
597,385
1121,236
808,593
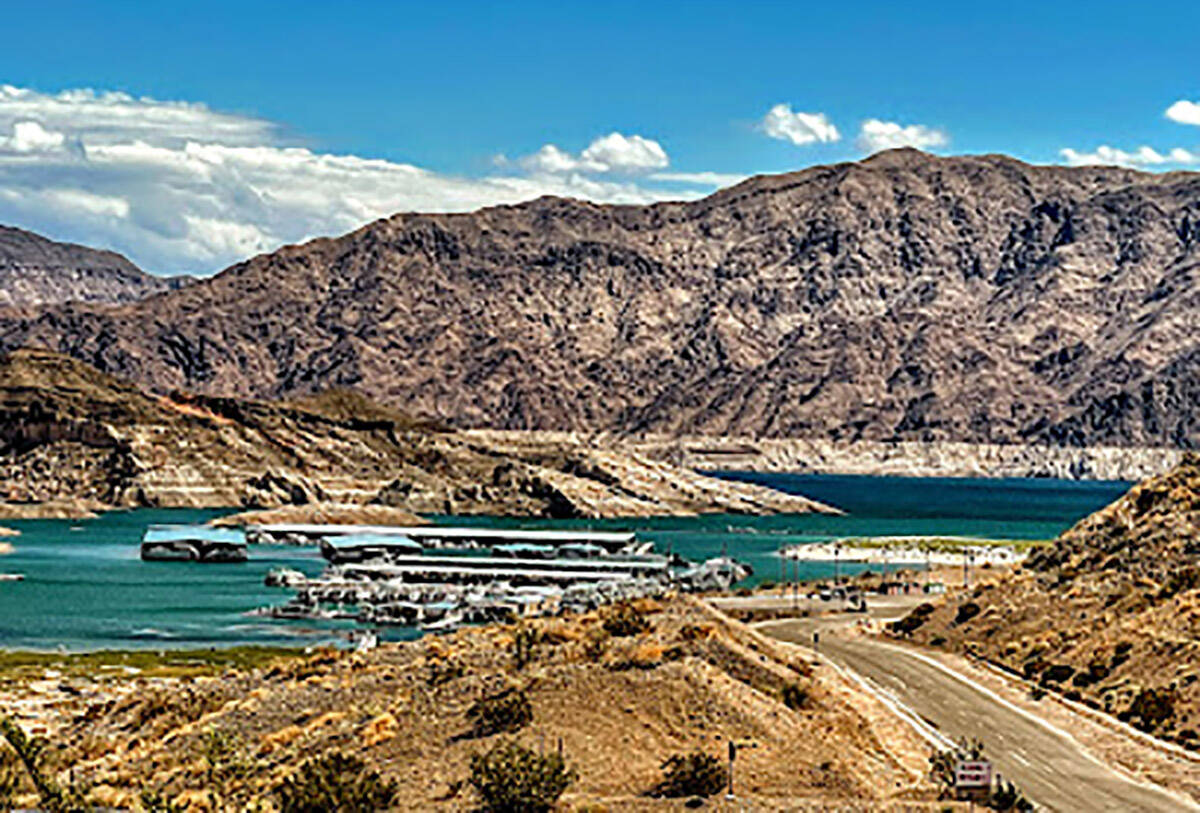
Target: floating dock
193,543
432,536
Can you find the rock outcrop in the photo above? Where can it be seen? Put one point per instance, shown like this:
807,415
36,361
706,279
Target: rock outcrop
904,297
69,432
37,271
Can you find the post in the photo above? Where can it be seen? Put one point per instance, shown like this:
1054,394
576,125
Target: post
732,756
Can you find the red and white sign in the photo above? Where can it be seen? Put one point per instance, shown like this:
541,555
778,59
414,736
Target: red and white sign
975,774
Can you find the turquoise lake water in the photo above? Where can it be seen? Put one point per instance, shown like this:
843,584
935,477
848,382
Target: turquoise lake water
87,588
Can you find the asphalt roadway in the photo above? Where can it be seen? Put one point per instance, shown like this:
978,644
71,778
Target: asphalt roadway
1052,770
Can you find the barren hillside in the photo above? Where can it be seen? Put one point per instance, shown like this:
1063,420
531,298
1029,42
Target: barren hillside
906,296
71,433
1109,614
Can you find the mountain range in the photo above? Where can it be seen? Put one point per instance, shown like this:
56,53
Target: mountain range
37,271
904,297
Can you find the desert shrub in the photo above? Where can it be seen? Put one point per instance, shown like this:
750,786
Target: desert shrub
794,696
1057,673
1151,708
913,621
155,800
1007,796
624,619
335,781
225,764
694,774
937,640
442,671
966,611
943,760
1180,581
30,754
10,778
509,778
524,644
503,712
595,643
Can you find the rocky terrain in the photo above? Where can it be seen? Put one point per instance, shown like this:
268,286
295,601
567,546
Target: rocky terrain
907,458
617,700
72,437
1108,615
905,297
38,271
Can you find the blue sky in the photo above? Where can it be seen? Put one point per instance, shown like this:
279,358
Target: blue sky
444,90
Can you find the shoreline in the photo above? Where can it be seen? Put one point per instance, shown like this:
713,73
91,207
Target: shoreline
916,551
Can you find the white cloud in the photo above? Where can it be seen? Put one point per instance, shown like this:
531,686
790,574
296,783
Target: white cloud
29,136
715,179
799,128
614,152
626,153
1105,155
876,135
180,187
1184,112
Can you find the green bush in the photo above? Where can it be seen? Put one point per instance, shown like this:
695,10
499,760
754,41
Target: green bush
506,711
624,619
336,781
511,779
694,774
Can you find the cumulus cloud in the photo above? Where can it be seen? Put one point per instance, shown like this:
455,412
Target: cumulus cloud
614,152
1184,112
180,187
1105,155
783,123
876,135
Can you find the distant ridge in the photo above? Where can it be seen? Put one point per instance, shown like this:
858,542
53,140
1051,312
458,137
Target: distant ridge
35,270
906,296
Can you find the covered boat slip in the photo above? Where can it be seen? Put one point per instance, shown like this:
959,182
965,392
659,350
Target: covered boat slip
474,569
432,536
193,543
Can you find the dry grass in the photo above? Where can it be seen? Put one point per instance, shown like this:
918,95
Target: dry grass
693,680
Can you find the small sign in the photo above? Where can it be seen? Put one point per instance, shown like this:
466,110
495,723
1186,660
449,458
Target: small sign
973,774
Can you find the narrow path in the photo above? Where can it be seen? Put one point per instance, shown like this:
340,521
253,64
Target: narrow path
1050,767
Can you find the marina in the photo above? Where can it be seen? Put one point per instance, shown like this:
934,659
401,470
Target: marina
86,586
386,576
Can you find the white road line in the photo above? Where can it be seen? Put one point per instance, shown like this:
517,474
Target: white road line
1046,724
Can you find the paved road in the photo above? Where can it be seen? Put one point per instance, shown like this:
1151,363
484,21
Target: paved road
1050,767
